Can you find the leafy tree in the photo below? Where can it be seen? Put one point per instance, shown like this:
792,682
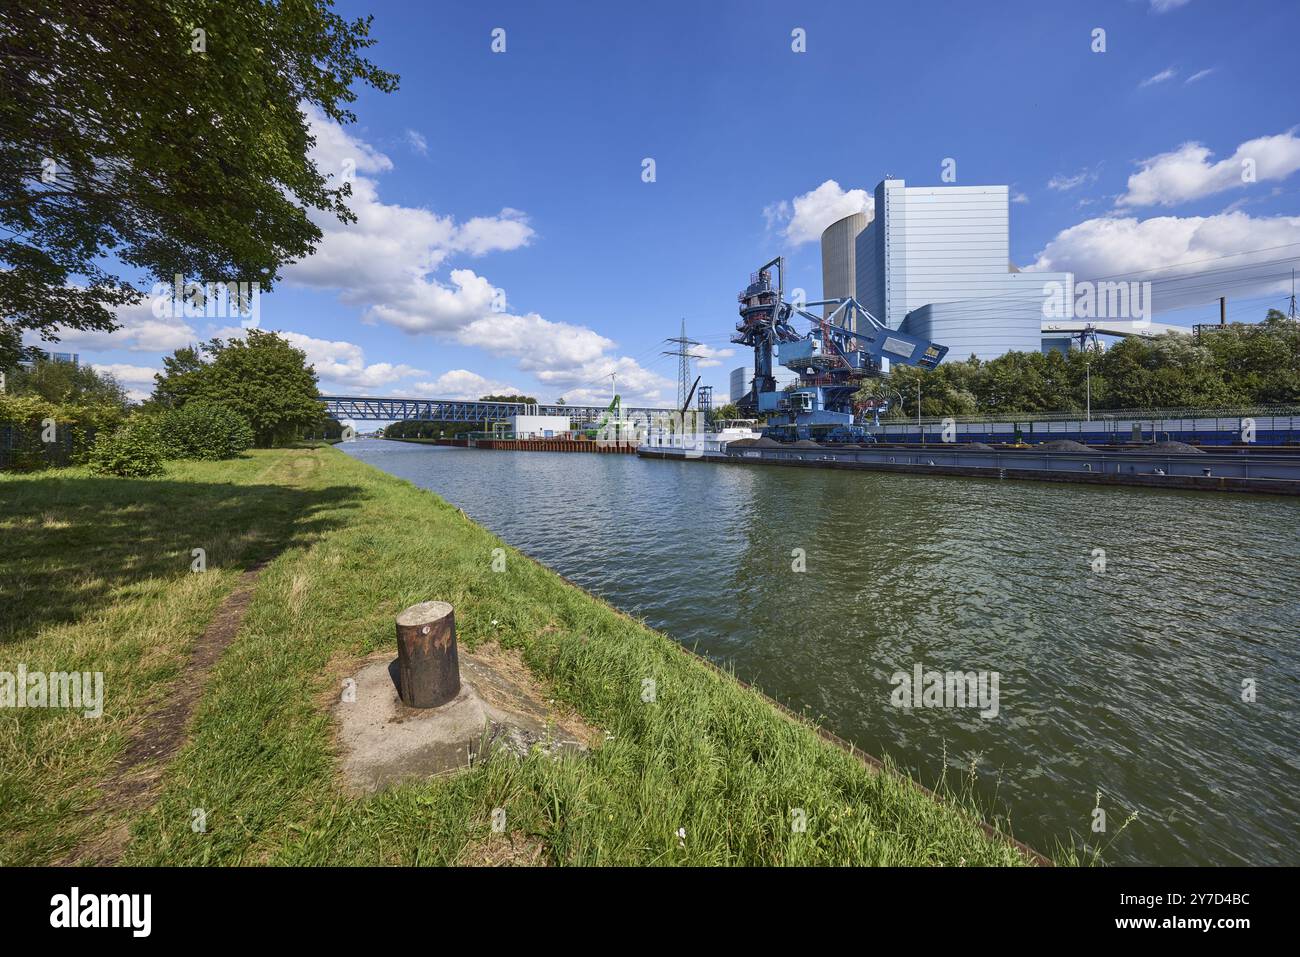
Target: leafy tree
78,400
1259,362
11,345
328,428
1015,382
1168,371
526,399
168,135
67,382
179,380
261,377
424,429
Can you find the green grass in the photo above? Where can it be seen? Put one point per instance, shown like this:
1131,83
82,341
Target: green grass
102,568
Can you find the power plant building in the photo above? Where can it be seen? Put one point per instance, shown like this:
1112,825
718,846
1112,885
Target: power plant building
935,262
839,257
739,383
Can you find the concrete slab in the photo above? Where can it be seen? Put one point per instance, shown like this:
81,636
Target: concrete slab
383,742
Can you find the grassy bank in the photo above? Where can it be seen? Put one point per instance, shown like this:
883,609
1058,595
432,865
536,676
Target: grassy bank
100,570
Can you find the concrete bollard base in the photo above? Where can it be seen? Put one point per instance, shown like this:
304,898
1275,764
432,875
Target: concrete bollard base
383,741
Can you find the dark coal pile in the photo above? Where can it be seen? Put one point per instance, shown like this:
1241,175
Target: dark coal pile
977,447
1063,445
1177,448
766,443
806,444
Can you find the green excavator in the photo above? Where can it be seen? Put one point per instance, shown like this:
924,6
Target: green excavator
613,414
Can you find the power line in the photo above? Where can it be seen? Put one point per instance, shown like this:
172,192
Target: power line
1193,262
684,357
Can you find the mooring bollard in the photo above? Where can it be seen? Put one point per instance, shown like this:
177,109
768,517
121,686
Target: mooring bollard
429,672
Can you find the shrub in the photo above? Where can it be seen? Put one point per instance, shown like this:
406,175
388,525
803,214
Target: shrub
203,430
133,451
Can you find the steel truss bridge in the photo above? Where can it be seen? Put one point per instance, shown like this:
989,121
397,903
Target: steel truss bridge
376,409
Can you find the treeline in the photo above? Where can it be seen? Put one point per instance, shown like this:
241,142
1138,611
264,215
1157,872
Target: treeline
212,401
262,377
1236,366
415,429
424,429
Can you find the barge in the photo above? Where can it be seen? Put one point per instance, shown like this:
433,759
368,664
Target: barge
1236,471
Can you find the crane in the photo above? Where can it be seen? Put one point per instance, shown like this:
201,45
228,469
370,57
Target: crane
845,346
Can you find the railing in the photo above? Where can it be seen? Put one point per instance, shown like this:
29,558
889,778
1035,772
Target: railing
1146,415
23,449
379,408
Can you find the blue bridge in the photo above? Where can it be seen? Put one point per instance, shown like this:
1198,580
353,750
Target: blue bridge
377,409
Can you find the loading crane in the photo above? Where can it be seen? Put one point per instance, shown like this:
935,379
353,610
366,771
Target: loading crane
610,420
845,346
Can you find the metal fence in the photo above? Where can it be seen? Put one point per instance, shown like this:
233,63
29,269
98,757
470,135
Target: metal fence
1214,427
1100,416
23,449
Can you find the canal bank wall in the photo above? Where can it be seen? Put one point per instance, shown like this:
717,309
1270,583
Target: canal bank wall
552,445
1206,472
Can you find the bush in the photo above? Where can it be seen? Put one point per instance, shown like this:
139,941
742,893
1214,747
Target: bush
133,451
203,430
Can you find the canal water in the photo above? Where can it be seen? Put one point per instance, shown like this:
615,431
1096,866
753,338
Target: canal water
1125,679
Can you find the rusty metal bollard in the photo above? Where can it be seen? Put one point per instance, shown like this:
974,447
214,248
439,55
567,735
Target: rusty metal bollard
426,655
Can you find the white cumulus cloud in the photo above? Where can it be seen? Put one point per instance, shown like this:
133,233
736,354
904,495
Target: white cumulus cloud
139,331
1166,249
127,374
340,363
803,218
465,385
385,262
1186,173
387,265
712,356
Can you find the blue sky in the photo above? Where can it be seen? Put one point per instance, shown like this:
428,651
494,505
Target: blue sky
521,171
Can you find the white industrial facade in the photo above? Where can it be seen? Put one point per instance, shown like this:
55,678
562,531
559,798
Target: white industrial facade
1011,321
937,259
538,426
